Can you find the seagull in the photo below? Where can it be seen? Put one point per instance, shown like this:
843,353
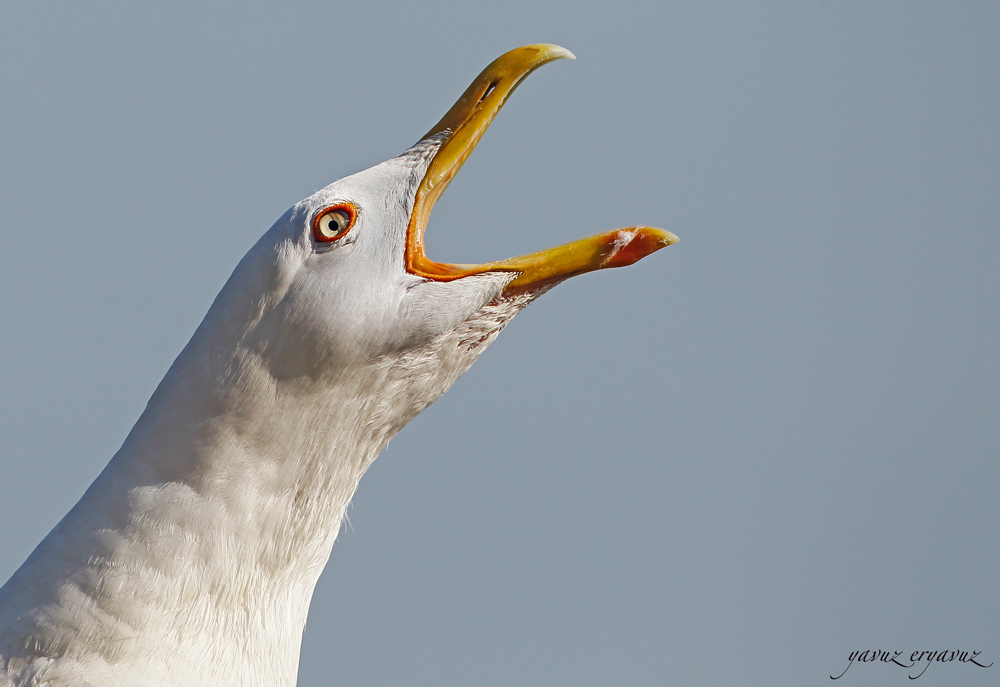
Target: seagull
192,558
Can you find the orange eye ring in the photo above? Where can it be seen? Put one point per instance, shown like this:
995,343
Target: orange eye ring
333,222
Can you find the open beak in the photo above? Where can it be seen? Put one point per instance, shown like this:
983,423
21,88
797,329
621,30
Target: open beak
465,123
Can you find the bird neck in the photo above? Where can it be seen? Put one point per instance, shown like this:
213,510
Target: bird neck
198,547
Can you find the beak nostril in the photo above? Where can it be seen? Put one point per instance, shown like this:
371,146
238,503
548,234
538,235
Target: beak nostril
489,89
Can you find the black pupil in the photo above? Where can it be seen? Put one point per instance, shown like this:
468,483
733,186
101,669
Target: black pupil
337,222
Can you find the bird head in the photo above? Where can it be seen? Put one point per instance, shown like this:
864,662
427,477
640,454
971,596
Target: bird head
343,276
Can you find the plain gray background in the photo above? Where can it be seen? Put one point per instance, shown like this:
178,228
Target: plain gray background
733,463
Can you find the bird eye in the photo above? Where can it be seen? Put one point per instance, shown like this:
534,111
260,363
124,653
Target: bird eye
334,222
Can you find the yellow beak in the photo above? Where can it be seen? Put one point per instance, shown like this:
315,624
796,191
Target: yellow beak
465,124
